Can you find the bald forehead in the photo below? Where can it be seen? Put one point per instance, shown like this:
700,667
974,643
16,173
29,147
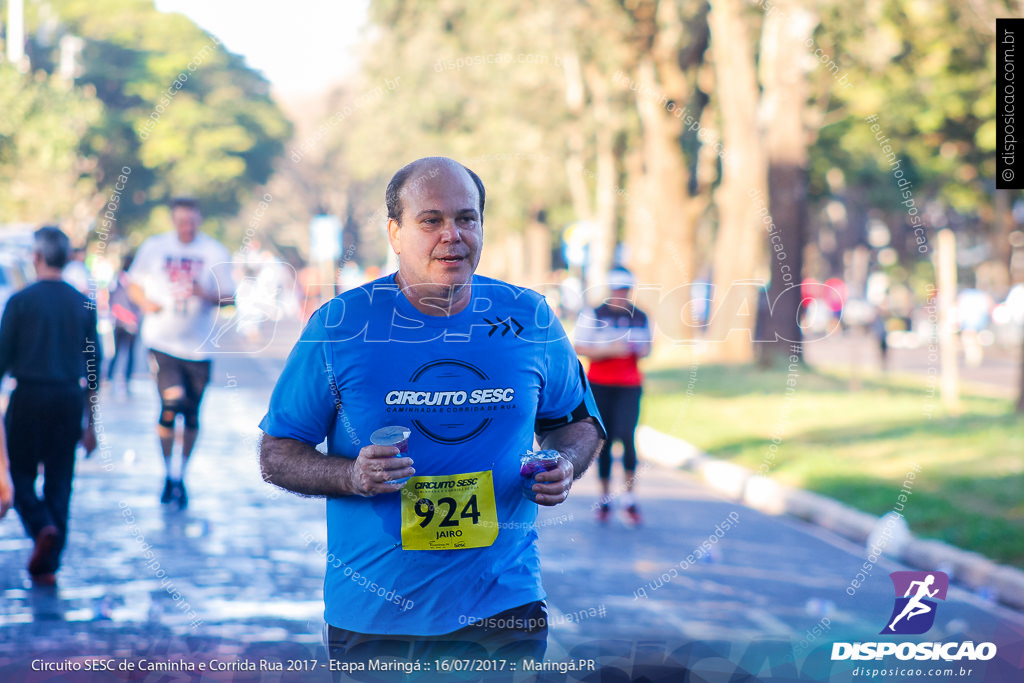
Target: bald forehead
439,176
427,177
422,170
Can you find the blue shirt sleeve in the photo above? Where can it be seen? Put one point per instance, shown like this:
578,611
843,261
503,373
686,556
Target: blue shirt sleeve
305,401
565,396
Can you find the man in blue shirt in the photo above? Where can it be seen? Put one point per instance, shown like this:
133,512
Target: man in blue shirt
445,564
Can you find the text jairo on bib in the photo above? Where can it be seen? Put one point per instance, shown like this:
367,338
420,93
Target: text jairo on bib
450,512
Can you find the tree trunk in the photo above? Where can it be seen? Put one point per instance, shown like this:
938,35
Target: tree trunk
1020,397
575,99
671,230
602,246
946,284
538,251
784,103
1002,251
575,160
640,226
739,248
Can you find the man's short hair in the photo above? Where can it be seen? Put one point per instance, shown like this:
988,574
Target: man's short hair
185,203
52,245
393,195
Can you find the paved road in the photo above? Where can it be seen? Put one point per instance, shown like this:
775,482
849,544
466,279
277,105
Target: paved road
232,577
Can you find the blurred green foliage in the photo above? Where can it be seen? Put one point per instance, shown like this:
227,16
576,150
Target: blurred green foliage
42,166
165,100
926,70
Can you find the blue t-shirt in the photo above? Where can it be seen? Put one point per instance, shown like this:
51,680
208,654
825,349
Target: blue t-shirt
473,387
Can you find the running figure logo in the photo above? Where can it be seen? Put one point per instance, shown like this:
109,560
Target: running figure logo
914,613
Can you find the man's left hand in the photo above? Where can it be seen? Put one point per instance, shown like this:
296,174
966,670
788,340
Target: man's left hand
88,440
552,487
6,491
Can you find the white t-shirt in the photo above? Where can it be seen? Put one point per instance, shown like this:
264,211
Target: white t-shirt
166,269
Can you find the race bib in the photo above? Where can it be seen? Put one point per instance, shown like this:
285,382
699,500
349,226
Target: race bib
449,512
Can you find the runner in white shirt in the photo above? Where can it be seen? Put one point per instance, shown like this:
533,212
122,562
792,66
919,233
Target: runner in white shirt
179,279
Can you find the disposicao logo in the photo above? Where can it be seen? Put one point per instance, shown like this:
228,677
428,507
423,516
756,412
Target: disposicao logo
913,613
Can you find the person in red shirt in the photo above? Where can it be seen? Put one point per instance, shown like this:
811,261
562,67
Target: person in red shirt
614,336
127,319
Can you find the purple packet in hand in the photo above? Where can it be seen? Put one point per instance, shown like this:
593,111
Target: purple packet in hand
532,464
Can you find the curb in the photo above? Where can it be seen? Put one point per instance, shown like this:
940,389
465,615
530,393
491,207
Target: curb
762,493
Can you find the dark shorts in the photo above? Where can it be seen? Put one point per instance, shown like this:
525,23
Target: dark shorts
191,376
515,634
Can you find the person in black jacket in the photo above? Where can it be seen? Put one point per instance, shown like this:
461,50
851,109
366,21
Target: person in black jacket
48,343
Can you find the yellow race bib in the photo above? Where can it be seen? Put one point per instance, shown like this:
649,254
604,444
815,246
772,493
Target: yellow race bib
449,512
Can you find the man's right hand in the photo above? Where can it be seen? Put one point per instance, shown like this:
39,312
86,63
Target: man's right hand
375,467
138,295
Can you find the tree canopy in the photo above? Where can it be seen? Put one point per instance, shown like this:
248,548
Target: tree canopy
152,93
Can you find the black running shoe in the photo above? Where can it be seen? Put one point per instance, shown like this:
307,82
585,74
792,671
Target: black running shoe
168,495
180,495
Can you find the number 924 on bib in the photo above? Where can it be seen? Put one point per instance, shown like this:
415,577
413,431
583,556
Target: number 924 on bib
450,512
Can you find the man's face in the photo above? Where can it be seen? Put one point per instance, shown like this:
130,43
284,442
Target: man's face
439,238
186,222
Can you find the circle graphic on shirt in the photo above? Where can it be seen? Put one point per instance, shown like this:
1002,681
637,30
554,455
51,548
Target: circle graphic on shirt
455,394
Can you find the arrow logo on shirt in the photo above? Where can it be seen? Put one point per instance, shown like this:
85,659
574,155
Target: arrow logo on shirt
505,326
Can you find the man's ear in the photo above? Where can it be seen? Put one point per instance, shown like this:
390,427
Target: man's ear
393,238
